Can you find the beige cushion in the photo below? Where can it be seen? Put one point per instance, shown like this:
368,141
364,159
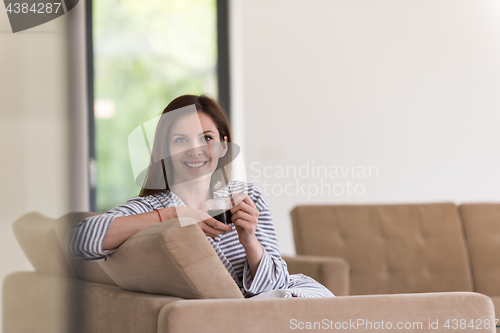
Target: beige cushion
390,248
482,231
35,233
168,259
87,270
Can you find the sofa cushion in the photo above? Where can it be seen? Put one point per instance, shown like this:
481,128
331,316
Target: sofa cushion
37,237
86,270
168,259
390,248
482,232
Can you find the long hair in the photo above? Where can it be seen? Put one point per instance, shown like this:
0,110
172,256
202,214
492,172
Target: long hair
158,173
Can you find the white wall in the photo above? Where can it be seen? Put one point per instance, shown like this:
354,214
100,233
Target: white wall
41,124
409,87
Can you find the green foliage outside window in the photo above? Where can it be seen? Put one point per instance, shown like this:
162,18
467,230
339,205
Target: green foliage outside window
146,53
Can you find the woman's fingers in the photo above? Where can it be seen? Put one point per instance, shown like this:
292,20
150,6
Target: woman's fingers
249,201
217,225
251,210
211,231
240,200
201,216
244,197
245,216
211,227
244,222
241,214
247,207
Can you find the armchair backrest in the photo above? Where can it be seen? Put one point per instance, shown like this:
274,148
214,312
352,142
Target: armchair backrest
36,235
43,242
390,248
482,232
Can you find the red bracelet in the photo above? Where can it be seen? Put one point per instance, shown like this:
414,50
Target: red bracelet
159,214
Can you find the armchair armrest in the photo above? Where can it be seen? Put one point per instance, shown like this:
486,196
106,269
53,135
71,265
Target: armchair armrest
331,272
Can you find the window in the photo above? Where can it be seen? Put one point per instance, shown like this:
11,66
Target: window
146,53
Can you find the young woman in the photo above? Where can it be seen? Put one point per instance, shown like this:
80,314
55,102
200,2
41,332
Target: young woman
192,145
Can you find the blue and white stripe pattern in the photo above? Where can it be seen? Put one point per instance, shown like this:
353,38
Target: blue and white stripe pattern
84,241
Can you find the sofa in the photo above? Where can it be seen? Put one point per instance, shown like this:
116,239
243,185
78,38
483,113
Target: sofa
168,278
407,248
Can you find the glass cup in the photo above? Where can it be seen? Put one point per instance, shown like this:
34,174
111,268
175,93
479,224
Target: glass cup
219,209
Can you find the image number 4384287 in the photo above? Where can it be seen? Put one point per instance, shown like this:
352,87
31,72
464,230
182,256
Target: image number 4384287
31,13
35,8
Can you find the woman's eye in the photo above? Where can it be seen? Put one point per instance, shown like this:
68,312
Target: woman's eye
208,138
179,140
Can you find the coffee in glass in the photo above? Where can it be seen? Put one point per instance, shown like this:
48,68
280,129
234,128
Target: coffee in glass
219,209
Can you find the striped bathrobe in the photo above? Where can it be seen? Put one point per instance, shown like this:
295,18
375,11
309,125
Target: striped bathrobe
84,241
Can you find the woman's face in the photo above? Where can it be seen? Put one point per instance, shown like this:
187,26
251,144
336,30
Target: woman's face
190,139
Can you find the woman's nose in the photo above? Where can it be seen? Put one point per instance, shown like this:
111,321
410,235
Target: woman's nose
196,149
194,152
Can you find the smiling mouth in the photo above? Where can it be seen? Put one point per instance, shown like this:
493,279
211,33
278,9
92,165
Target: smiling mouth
195,165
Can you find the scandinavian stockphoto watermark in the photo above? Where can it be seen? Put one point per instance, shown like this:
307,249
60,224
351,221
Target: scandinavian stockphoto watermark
311,179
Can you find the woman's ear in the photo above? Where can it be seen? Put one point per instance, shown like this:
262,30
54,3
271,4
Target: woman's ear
224,147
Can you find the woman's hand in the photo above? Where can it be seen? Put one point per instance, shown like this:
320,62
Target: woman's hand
210,226
245,218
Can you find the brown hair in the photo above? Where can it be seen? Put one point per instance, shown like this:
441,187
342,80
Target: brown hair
203,103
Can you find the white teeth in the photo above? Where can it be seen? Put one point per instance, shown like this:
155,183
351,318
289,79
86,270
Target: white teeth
195,165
